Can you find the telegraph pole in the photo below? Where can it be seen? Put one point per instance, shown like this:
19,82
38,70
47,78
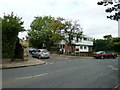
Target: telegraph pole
119,18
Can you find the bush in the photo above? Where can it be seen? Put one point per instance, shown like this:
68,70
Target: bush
54,49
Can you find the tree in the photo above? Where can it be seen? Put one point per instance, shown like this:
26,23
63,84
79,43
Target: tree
72,30
107,36
115,7
116,44
45,31
11,26
112,44
100,45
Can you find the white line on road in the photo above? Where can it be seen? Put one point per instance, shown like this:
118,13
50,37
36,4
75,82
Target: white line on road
40,75
28,77
115,68
66,58
25,77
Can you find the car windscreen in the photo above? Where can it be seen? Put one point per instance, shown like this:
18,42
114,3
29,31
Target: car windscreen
44,51
32,49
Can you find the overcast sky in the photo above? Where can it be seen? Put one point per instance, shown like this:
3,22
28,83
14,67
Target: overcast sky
91,16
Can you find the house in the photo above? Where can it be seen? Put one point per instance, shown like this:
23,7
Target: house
82,46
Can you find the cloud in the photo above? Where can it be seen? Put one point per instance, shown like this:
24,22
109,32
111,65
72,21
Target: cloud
91,16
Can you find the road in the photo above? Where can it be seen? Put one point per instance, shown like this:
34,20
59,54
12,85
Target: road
64,72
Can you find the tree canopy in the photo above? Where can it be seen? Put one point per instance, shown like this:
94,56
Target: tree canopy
110,44
73,30
47,30
11,26
113,7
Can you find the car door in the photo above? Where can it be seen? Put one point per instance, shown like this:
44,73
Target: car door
38,53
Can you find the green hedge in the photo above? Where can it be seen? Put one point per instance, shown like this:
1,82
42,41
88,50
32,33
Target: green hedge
54,49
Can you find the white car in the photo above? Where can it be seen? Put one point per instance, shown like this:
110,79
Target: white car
41,53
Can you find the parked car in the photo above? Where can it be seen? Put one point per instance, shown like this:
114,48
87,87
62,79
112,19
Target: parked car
41,53
104,54
32,50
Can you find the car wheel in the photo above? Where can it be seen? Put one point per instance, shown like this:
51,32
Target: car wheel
114,57
48,57
39,57
102,57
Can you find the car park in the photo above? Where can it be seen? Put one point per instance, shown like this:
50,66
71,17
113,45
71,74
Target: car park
41,53
104,54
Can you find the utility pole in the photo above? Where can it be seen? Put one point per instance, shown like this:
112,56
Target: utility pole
119,19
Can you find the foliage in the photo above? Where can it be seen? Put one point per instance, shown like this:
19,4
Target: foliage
53,48
112,44
45,31
115,6
116,44
107,36
100,44
72,30
11,26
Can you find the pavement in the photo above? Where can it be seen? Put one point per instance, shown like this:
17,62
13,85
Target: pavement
22,63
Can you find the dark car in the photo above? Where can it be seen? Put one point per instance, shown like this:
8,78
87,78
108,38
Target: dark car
32,50
104,54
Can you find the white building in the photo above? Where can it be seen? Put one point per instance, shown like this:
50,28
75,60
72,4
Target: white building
82,47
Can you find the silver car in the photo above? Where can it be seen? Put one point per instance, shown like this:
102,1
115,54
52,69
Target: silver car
41,53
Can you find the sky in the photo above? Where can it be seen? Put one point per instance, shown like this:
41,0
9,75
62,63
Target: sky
91,16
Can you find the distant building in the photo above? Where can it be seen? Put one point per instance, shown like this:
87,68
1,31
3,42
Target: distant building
81,46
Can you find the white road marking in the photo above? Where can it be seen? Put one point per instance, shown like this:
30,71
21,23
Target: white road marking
32,76
115,68
25,77
66,58
40,75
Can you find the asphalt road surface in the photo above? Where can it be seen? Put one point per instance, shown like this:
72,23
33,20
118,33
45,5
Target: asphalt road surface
64,72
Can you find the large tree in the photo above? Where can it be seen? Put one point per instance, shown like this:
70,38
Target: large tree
113,6
45,31
73,31
11,26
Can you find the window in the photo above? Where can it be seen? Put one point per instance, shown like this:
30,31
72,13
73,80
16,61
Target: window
77,49
81,47
85,38
85,47
39,51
